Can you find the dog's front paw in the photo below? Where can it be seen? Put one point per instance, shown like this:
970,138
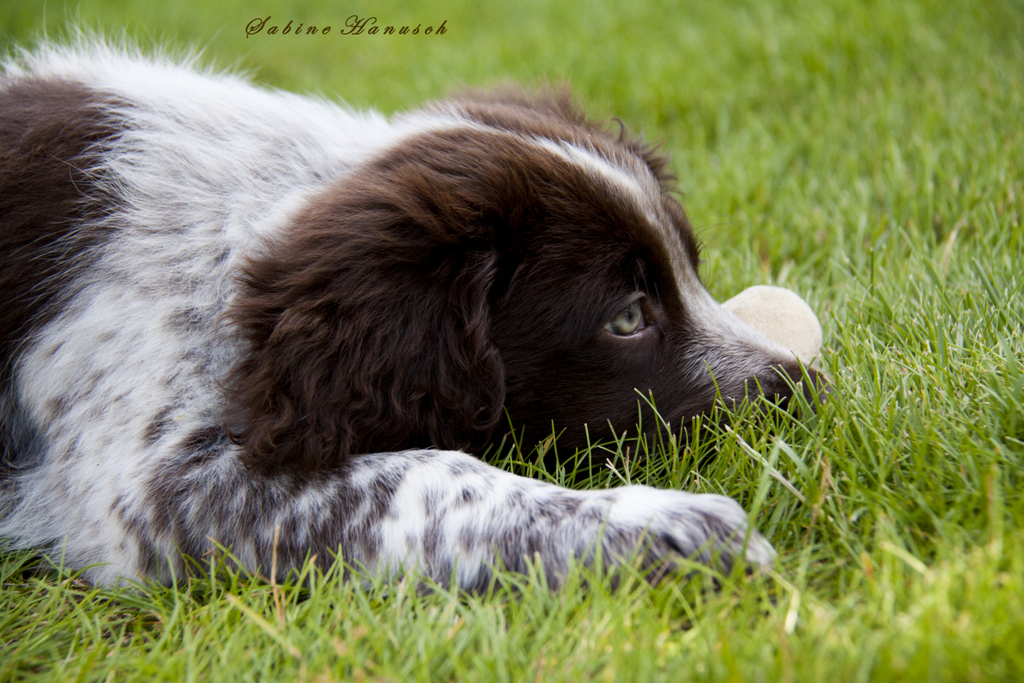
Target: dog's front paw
700,527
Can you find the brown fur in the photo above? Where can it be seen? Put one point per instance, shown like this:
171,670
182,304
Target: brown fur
51,134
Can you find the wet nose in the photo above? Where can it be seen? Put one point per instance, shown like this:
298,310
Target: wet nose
781,383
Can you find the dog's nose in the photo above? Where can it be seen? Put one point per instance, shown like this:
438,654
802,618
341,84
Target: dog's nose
793,376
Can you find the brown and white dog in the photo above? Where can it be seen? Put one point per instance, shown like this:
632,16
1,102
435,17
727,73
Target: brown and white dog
229,311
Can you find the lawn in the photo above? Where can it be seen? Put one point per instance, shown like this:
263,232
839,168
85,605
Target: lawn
867,155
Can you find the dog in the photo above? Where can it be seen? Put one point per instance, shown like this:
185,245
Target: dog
244,317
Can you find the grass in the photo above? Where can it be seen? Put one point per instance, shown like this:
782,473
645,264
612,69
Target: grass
867,155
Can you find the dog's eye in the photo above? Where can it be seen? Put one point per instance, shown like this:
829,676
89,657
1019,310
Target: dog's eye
628,320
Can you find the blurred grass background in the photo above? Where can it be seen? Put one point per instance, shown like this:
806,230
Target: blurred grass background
867,155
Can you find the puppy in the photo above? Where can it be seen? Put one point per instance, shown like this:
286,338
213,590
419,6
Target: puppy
233,314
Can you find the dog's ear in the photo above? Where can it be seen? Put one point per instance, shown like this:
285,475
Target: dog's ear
366,330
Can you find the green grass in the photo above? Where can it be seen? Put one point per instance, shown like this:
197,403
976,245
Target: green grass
867,155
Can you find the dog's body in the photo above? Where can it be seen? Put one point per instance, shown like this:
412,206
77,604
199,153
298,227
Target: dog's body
231,311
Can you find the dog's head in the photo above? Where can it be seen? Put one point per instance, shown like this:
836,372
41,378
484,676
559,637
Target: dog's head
503,254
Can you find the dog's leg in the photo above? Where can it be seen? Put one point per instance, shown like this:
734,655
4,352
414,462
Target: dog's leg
447,514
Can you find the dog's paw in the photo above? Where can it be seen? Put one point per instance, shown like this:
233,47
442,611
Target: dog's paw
701,527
